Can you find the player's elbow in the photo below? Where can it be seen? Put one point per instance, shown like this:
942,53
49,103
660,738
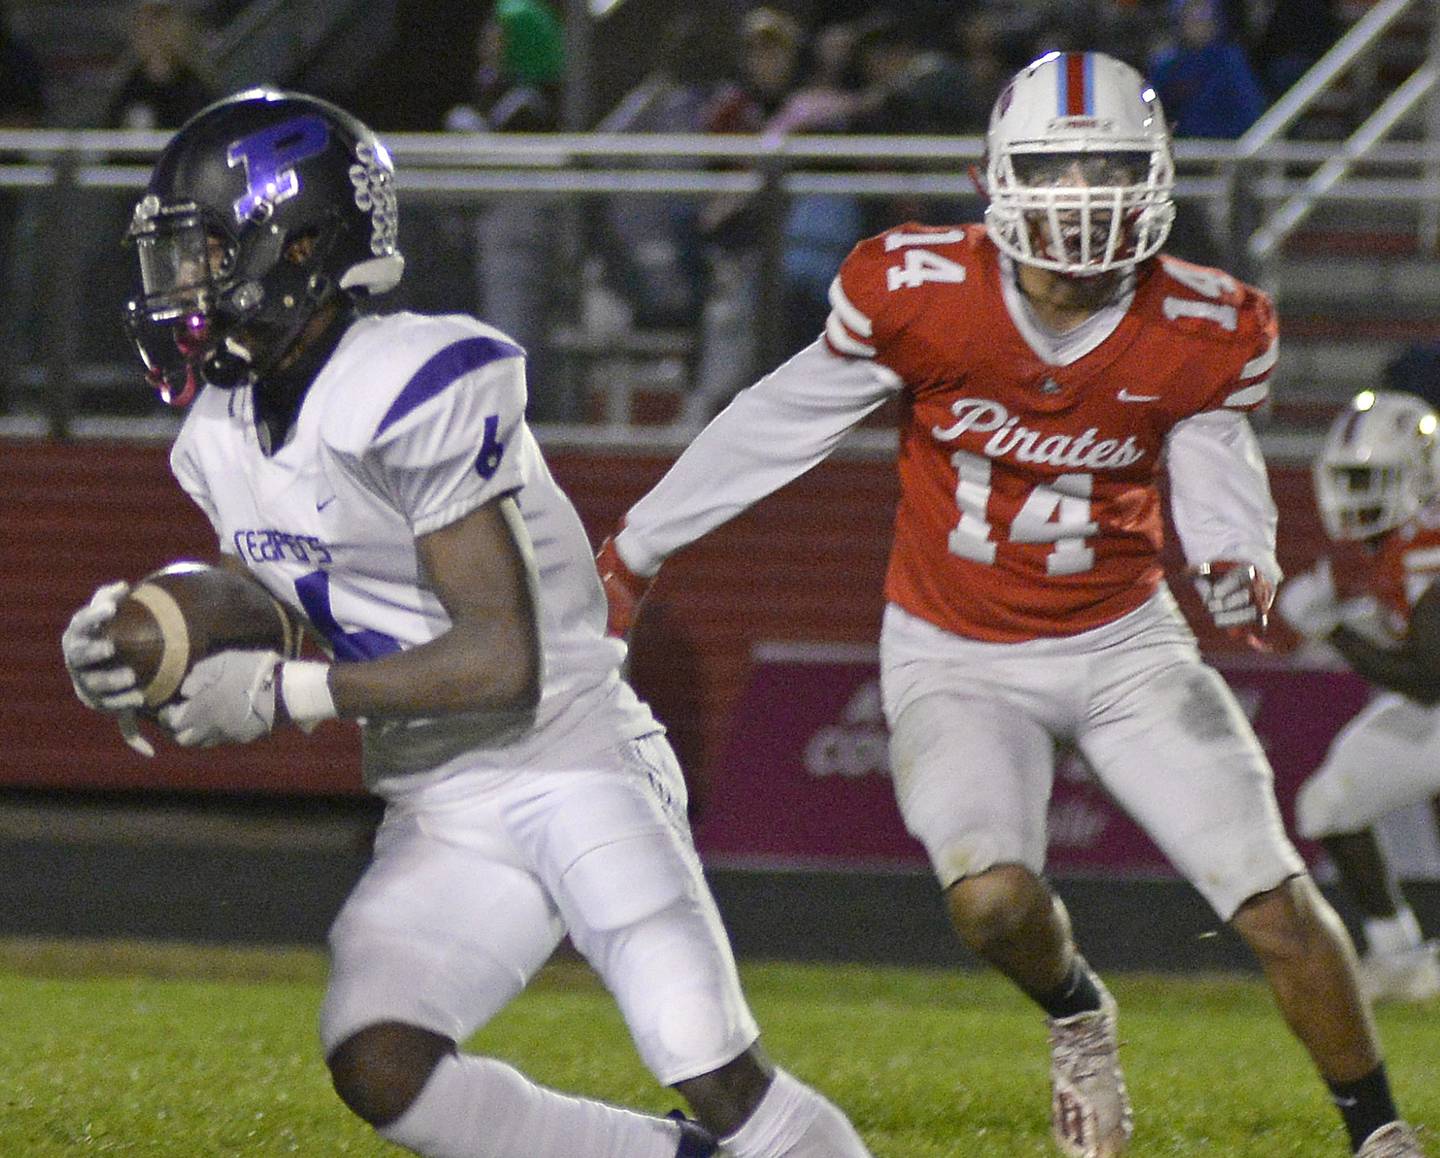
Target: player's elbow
524,693
515,680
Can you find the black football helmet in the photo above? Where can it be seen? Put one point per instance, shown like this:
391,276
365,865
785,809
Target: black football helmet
261,208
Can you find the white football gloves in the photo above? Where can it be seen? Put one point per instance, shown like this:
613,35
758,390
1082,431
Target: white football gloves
1237,596
231,697
98,683
226,699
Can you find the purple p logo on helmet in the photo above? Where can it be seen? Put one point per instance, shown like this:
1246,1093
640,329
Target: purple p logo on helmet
270,157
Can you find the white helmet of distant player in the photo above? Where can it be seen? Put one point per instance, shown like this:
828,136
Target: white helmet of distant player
1380,464
1078,167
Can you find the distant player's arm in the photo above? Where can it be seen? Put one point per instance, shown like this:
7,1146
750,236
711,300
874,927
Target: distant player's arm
1413,667
772,433
482,570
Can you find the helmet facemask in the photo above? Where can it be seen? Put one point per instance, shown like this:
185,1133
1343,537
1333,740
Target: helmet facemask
200,317
1080,213
186,268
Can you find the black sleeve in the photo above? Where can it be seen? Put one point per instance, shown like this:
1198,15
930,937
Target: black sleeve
1413,668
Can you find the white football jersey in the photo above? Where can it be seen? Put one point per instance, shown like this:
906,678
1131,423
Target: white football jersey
414,422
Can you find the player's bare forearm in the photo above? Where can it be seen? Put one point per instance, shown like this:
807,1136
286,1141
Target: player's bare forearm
489,660
472,667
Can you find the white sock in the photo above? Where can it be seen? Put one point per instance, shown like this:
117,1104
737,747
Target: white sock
795,1121
476,1107
1393,934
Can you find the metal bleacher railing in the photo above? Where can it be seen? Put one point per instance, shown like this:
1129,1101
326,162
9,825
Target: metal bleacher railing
1254,194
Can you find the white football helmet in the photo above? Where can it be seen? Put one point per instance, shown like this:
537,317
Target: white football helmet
1078,167
1380,464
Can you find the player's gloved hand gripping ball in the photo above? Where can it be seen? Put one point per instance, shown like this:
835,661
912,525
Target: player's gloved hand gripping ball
100,680
235,697
1238,598
151,650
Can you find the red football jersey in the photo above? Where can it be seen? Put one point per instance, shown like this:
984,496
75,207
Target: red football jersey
1029,503
1406,564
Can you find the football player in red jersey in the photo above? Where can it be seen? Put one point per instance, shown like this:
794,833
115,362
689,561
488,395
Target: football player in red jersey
1047,362
1377,482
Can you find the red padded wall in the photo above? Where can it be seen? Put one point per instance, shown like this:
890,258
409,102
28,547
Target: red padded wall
806,564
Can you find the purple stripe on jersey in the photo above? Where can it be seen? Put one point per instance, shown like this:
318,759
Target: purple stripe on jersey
454,361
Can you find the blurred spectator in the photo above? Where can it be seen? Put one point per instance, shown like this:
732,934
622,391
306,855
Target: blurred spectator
1208,90
911,86
517,90
771,53
22,80
1416,370
165,75
819,228
981,42
1203,77
22,106
828,97
1296,34
651,244
522,66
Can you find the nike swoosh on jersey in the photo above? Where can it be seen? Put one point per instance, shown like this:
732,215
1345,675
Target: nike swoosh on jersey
1126,396
323,503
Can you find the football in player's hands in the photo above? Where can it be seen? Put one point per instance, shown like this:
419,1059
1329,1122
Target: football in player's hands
181,614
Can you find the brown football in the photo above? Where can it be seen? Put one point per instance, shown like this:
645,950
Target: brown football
181,614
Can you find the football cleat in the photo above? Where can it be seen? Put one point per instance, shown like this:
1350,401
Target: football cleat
1397,1140
695,1140
1408,975
1090,1113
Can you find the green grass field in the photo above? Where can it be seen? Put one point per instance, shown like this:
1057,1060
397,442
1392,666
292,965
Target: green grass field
160,1051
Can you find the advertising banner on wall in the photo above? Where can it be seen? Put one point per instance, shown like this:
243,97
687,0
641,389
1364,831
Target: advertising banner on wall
805,778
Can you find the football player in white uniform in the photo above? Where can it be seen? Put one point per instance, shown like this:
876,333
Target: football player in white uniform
377,475
1377,483
1049,365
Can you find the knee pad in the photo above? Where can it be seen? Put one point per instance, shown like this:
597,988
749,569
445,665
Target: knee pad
674,978
623,883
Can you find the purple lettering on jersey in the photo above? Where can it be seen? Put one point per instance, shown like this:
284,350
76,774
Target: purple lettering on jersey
270,157
444,368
